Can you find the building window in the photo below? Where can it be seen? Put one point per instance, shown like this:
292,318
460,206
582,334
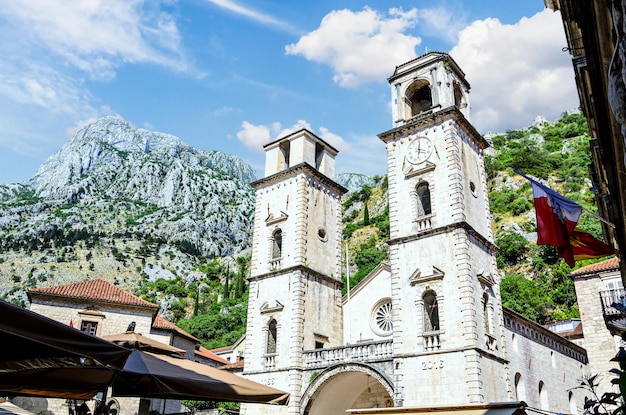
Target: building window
277,244
419,97
423,199
381,320
520,392
431,311
89,327
486,314
543,396
572,403
271,337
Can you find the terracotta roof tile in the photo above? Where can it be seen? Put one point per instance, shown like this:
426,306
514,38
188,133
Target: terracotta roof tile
95,290
210,355
221,349
238,365
575,333
609,264
162,323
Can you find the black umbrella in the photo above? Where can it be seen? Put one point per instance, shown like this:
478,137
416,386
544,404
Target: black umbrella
43,357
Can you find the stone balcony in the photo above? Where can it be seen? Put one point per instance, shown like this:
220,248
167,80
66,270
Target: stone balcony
362,353
614,310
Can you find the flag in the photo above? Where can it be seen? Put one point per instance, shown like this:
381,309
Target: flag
557,217
585,246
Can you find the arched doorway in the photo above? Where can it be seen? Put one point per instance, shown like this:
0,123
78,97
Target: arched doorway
346,386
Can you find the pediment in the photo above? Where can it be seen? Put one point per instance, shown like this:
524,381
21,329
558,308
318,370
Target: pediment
271,219
266,308
418,276
412,170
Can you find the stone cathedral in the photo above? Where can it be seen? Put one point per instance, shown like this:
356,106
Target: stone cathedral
425,329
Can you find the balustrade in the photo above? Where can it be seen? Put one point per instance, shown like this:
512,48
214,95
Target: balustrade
363,352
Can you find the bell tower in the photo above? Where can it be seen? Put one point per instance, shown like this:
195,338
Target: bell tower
295,283
448,327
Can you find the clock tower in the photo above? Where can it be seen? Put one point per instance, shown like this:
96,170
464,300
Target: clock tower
448,326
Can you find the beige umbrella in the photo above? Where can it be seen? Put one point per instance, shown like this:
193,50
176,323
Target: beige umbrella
169,377
133,340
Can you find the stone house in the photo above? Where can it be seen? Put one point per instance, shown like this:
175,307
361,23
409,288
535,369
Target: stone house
101,308
599,289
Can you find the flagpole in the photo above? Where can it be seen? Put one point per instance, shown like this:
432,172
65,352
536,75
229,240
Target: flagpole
600,218
349,306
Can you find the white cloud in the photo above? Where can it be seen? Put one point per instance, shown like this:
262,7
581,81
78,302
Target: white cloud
516,71
255,136
254,15
358,46
55,45
95,36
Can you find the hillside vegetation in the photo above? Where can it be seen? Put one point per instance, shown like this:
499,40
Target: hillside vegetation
149,242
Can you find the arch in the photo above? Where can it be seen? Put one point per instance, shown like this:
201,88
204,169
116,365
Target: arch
422,192
458,95
277,243
418,98
272,337
520,390
572,402
486,313
543,396
343,386
431,311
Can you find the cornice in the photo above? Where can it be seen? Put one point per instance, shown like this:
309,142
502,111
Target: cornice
305,168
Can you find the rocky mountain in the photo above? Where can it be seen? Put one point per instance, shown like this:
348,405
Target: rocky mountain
123,204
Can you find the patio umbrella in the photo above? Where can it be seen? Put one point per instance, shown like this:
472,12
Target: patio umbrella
43,357
133,340
153,375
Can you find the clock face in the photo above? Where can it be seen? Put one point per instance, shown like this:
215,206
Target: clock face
419,150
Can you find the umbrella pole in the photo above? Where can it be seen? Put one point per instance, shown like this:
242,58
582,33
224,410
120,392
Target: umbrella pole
102,404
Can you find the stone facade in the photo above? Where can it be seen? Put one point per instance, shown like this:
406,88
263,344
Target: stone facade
106,309
428,327
592,283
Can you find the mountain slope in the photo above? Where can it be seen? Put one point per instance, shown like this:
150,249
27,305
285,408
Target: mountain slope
123,204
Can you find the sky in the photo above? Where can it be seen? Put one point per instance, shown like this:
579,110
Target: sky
232,75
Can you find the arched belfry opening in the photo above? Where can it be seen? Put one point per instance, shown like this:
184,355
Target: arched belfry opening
458,95
418,98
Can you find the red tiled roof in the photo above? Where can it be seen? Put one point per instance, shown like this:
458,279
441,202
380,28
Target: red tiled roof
609,264
95,290
202,351
162,323
573,334
220,349
238,365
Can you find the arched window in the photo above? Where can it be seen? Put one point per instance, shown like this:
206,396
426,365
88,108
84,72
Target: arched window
277,244
271,337
458,95
431,311
419,97
543,396
486,313
423,199
520,391
572,403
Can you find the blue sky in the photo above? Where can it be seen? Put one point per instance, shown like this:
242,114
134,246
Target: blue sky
231,75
